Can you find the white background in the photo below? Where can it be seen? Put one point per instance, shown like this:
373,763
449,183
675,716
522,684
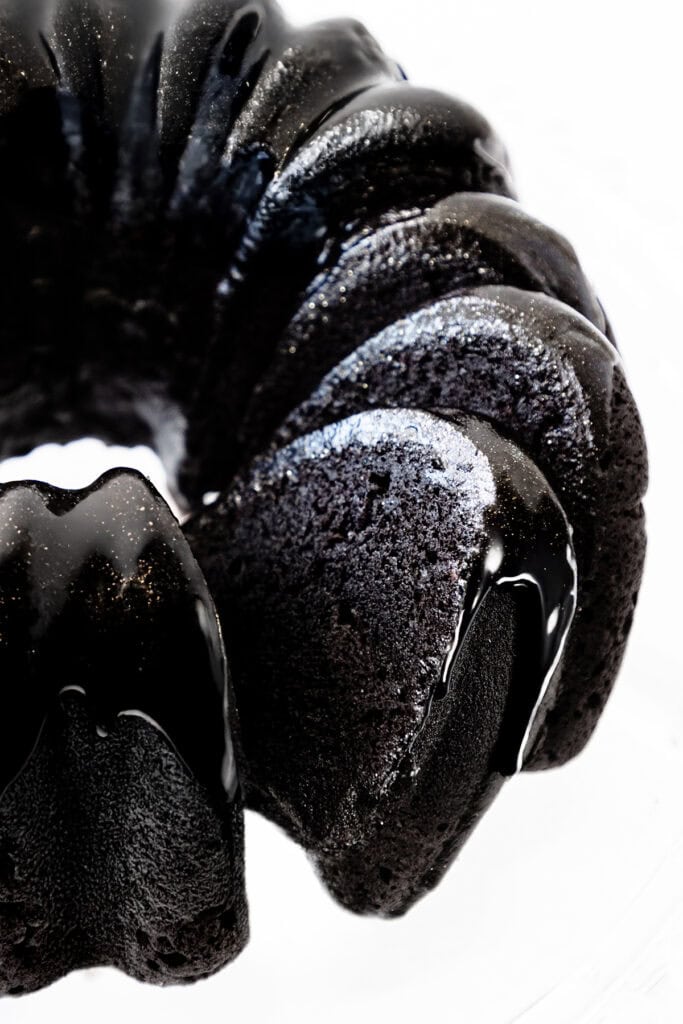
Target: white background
567,904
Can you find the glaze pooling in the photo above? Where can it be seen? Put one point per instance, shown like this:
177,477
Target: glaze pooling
529,546
100,595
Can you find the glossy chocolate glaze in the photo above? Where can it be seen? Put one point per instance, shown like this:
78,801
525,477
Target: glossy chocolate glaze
100,596
353,563
529,545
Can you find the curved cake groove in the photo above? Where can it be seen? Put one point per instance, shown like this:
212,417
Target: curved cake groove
466,241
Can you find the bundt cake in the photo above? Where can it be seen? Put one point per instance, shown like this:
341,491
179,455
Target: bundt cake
393,413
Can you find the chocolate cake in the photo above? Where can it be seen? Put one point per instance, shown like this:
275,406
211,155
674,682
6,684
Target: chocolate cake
392,408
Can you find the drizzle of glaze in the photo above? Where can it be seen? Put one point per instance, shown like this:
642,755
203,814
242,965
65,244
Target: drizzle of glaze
529,546
100,596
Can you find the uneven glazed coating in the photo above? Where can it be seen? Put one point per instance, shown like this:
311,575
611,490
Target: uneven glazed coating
306,284
343,563
121,834
100,594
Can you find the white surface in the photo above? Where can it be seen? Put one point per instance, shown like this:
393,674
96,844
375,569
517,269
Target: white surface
566,907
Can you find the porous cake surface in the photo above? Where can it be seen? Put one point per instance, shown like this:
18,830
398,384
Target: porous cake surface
352,566
112,853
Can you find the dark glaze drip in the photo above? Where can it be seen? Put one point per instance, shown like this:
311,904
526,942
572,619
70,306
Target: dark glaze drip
100,596
529,546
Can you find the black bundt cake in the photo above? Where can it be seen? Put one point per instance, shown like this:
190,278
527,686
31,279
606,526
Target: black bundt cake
393,409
